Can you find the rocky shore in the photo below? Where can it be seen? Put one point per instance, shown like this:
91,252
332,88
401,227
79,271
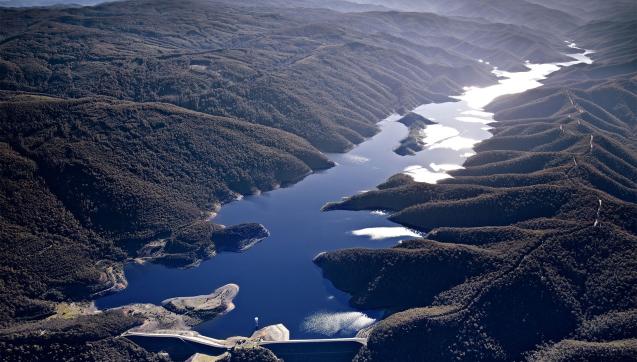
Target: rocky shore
238,238
413,143
204,306
182,313
201,240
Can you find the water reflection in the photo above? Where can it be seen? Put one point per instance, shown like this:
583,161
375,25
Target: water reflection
475,113
278,281
473,119
422,174
444,167
437,132
463,124
517,82
456,143
380,233
356,159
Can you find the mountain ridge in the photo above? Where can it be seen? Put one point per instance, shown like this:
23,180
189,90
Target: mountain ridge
551,195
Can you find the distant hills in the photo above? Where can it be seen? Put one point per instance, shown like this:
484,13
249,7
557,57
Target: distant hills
40,3
551,16
124,125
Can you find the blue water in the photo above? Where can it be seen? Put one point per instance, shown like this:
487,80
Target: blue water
277,279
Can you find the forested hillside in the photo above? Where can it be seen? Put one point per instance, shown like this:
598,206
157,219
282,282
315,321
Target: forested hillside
106,115
329,80
529,251
124,126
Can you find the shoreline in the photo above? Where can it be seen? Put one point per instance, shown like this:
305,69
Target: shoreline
223,206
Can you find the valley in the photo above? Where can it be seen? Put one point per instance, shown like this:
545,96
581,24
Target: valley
429,177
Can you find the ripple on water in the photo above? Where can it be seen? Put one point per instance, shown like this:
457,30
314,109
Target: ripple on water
339,323
355,159
295,288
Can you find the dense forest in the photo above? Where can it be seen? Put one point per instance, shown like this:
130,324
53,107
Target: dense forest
133,120
529,251
123,126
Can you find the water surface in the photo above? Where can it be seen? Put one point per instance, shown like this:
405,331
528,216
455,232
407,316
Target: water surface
277,279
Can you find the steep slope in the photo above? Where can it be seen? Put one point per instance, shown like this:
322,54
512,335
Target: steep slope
541,222
106,114
96,178
115,172
85,338
327,84
124,125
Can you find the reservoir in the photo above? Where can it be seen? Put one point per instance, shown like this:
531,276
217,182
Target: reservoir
278,281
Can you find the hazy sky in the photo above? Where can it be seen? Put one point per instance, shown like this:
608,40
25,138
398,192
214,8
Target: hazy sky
47,2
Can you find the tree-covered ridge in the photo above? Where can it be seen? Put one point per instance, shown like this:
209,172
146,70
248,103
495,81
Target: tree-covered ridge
325,76
105,115
85,338
529,250
124,125
98,177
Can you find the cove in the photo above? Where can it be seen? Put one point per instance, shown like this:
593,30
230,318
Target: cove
278,281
